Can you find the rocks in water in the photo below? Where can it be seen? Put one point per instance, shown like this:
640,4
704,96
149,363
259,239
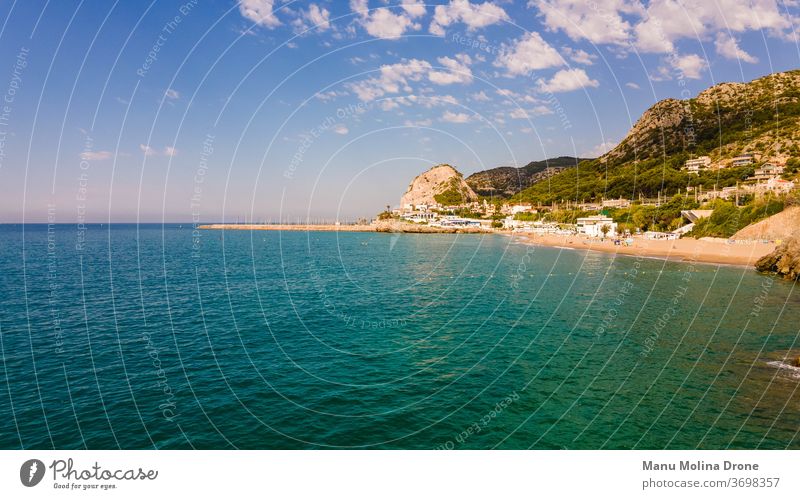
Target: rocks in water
784,261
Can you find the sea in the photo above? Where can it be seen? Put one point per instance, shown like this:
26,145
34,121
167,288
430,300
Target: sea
165,336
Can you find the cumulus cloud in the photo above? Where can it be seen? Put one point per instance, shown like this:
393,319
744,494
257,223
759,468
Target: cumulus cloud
528,53
474,15
414,8
632,85
383,22
688,66
579,56
318,16
457,71
656,26
147,150
396,78
340,129
667,21
260,12
392,79
451,117
170,151
599,21
728,47
172,94
567,80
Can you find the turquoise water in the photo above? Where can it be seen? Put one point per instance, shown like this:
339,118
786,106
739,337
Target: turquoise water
146,336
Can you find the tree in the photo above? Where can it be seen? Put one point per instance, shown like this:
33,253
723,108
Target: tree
604,229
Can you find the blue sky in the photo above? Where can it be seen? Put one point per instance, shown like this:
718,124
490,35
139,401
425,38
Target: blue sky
261,109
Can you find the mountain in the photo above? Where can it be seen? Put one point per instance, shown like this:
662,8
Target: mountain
505,181
442,184
760,117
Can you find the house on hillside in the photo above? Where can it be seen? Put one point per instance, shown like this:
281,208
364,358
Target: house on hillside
616,203
767,171
697,164
743,160
593,226
776,185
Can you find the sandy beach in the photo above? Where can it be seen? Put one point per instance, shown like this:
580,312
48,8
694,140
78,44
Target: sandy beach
706,250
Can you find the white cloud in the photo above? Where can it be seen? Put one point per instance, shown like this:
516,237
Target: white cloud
147,150
690,66
383,23
260,12
414,8
474,15
172,94
579,56
392,79
667,21
318,16
170,151
96,155
396,78
656,26
451,117
340,129
599,21
567,80
480,97
329,95
728,48
632,85
527,54
457,71
599,149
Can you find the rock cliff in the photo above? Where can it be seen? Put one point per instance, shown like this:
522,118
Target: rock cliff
442,185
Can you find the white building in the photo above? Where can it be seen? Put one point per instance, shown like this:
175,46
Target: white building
777,185
768,171
697,164
593,226
742,160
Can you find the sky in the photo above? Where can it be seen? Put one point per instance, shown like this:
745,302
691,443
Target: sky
267,110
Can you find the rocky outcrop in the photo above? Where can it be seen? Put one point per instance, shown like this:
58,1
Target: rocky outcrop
784,261
675,126
442,184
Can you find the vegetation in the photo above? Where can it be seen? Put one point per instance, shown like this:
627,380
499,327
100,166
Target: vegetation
762,117
727,218
452,195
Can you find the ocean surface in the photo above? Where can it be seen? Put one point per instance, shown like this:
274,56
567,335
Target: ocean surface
156,336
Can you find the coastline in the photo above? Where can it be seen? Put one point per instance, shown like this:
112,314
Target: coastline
705,250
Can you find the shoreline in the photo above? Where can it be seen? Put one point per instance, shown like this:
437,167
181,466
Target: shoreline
717,251
705,250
